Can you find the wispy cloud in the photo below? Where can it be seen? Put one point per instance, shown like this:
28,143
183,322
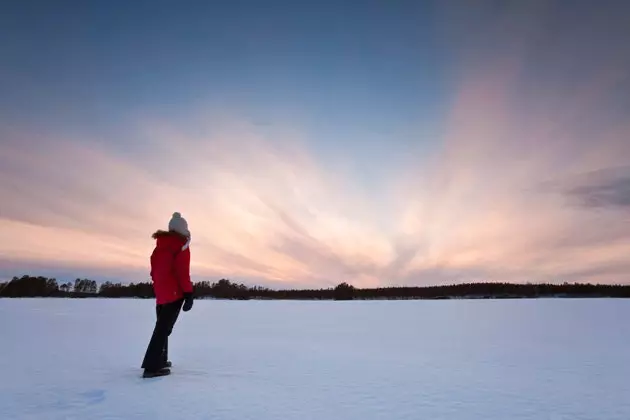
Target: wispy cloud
608,188
484,208
258,208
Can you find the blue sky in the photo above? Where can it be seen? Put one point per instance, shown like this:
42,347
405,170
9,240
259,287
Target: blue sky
360,76
390,122
376,61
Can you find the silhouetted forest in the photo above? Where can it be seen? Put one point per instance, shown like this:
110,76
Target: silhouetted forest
27,286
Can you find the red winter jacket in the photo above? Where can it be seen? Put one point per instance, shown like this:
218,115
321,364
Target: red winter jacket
170,267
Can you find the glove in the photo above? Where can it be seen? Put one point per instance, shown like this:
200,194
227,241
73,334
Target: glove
188,302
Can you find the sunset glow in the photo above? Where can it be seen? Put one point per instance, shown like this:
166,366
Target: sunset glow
519,171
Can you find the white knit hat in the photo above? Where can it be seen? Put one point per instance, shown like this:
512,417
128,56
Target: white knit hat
179,224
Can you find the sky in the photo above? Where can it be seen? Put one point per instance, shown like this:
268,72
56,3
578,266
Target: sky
380,143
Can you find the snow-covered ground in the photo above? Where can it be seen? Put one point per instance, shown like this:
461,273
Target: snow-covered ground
465,359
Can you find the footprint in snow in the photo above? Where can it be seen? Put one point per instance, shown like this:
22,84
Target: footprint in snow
94,396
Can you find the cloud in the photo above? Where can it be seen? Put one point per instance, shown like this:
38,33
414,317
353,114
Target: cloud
259,208
484,207
608,188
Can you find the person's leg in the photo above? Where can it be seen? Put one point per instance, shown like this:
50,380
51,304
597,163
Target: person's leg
154,349
165,352
174,310
164,356
166,316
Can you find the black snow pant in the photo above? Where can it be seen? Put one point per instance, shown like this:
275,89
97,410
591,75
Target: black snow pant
157,352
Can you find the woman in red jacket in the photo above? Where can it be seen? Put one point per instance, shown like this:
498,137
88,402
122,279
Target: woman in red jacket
170,273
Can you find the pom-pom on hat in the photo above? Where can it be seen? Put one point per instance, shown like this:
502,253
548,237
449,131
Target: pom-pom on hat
179,224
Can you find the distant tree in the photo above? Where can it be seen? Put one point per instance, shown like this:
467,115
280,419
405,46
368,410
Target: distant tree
344,291
91,286
102,290
85,287
51,286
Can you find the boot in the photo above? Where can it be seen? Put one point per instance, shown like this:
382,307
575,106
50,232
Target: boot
156,373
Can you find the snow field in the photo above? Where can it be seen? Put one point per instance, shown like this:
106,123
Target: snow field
462,359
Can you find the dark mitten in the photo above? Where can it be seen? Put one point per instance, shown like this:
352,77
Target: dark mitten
188,302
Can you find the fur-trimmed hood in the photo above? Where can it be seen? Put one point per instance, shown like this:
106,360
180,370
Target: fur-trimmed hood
163,235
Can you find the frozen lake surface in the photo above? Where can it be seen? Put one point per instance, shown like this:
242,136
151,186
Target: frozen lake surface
466,359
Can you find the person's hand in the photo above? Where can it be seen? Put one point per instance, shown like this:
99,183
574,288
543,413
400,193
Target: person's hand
188,302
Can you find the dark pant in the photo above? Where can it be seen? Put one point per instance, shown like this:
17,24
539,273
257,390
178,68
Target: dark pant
157,351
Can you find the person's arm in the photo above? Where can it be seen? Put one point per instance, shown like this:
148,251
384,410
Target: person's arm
182,269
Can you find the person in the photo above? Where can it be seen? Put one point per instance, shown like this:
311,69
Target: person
170,274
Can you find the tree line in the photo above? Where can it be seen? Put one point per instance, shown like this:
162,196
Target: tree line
27,286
